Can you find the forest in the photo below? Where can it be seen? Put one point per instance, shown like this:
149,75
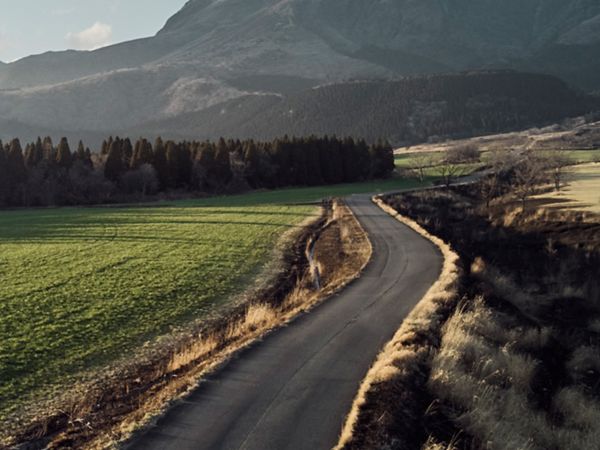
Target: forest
406,111
44,174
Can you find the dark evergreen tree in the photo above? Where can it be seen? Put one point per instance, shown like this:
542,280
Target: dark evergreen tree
204,167
49,150
63,154
83,155
4,181
314,175
114,166
299,165
17,173
127,152
104,148
222,167
37,154
382,160
142,154
252,159
160,164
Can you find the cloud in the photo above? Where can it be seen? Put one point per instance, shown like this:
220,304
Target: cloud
96,36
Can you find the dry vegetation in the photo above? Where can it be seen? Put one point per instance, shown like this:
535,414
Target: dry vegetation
107,411
516,365
573,134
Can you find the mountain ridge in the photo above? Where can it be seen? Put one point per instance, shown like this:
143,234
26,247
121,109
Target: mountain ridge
213,51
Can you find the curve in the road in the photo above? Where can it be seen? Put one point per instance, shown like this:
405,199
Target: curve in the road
294,389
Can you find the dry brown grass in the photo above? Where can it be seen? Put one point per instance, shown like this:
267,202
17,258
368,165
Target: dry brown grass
410,348
432,444
483,373
519,361
135,394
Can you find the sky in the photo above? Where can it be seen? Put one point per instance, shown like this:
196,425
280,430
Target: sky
35,26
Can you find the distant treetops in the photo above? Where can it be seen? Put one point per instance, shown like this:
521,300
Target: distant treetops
44,174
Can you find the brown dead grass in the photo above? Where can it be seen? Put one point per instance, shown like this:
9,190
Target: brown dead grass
404,359
101,414
487,373
518,365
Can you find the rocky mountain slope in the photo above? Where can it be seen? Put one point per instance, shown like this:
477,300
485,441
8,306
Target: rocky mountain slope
216,51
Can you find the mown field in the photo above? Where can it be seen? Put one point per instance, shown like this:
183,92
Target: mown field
83,287
582,192
432,161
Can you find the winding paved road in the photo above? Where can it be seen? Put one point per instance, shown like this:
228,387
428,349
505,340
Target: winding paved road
294,389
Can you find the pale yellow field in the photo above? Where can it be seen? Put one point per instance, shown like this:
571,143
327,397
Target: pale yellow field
582,191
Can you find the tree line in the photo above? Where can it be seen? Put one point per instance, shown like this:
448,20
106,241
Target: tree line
44,174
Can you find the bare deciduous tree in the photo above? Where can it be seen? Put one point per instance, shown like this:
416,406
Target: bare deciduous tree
420,162
449,172
528,174
501,163
559,163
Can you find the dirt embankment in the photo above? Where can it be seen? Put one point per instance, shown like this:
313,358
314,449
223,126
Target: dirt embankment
517,364
325,255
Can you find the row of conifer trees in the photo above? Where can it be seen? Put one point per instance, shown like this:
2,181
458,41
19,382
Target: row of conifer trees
44,174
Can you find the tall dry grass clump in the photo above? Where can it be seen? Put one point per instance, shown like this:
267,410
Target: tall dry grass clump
487,373
519,360
400,369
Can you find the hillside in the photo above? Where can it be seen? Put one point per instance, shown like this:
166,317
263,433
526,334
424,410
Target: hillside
404,111
213,52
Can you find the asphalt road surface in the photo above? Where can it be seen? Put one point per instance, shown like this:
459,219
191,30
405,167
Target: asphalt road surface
293,389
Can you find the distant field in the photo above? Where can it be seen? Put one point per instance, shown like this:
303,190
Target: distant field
583,190
435,158
83,286
582,156
408,161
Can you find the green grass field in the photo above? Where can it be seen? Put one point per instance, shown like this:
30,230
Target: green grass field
408,161
581,156
82,287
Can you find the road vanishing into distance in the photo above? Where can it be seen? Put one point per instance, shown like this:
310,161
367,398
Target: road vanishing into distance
294,388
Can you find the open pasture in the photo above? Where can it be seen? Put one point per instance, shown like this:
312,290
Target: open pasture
582,192
83,287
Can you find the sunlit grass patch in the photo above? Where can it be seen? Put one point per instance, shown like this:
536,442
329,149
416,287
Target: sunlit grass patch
83,286
582,191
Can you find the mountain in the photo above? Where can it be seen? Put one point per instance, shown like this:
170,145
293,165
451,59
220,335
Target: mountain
217,51
405,111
